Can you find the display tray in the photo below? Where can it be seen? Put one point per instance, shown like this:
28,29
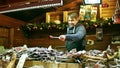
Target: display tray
29,64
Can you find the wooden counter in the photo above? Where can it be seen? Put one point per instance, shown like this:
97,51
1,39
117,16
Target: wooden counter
51,64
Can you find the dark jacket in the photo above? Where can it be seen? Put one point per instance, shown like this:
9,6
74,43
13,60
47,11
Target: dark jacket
76,37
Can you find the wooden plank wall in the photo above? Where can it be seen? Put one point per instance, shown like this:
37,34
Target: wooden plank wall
39,39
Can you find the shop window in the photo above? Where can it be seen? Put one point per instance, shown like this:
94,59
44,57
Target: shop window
54,17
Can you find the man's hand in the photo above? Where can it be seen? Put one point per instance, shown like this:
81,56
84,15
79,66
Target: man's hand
62,37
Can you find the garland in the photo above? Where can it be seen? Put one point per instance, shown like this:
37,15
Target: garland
30,28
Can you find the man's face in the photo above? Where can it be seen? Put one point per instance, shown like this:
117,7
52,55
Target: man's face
72,21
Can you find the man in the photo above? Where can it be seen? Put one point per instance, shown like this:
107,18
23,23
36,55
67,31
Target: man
76,33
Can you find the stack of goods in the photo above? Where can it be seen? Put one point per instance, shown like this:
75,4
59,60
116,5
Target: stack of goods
71,56
38,53
108,54
43,54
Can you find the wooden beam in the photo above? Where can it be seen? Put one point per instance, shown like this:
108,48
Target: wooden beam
69,5
10,22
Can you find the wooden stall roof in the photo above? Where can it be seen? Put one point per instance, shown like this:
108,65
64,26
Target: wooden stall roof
6,21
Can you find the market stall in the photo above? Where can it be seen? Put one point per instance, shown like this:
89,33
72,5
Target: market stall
24,57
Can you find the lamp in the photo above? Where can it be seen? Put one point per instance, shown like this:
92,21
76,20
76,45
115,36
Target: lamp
88,2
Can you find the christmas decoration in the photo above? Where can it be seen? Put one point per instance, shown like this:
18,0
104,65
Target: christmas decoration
30,28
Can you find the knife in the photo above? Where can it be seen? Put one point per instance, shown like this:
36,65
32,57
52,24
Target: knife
53,36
